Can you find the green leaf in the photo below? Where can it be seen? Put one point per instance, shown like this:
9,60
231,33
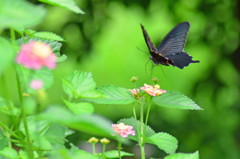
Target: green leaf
48,36
80,108
194,155
164,141
41,142
24,154
8,108
6,54
114,154
61,58
3,141
80,84
27,75
19,14
136,127
35,126
44,134
113,95
174,99
9,153
56,135
68,4
92,124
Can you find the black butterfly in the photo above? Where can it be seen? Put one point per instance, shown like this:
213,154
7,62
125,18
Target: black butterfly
170,50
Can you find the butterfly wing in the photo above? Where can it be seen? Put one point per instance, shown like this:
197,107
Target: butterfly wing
173,44
181,60
175,40
150,45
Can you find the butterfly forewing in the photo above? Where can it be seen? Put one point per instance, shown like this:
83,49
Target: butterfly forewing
150,45
175,40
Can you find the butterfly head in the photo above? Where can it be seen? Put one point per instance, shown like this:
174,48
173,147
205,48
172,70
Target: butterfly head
155,61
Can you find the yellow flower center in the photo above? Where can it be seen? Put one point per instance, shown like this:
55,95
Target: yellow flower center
41,50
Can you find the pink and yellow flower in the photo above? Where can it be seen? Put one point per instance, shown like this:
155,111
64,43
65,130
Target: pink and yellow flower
123,130
153,90
35,55
36,84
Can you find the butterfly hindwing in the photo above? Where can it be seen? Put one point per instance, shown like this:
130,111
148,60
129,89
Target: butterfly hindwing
181,60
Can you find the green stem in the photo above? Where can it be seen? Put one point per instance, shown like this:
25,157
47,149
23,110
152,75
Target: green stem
142,152
93,148
24,118
29,143
19,88
134,112
15,141
148,112
103,151
119,150
142,132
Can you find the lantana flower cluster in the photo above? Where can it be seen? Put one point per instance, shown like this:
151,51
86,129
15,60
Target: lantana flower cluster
123,130
34,55
149,89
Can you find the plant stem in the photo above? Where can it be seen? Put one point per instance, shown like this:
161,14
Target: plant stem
148,112
24,118
29,143
93,148
119,150
134,112
103,151
142,132
19,88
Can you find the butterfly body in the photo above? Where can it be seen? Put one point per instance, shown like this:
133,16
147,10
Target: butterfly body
170,50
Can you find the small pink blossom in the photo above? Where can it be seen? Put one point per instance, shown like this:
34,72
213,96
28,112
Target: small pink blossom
35,55
153,90
123,130
36,84
134,91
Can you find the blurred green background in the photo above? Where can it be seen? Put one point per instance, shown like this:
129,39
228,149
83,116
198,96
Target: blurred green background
107,41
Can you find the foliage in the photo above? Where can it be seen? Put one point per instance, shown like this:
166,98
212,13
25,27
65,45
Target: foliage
102,46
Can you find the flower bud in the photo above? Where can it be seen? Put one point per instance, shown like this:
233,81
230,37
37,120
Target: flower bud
155,80
104,141
134,79
93,140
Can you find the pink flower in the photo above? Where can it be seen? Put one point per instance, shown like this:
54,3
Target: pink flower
35,55
36,84
153,90
134,91
123,130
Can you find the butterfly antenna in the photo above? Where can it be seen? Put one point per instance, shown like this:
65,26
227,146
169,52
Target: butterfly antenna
142,50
